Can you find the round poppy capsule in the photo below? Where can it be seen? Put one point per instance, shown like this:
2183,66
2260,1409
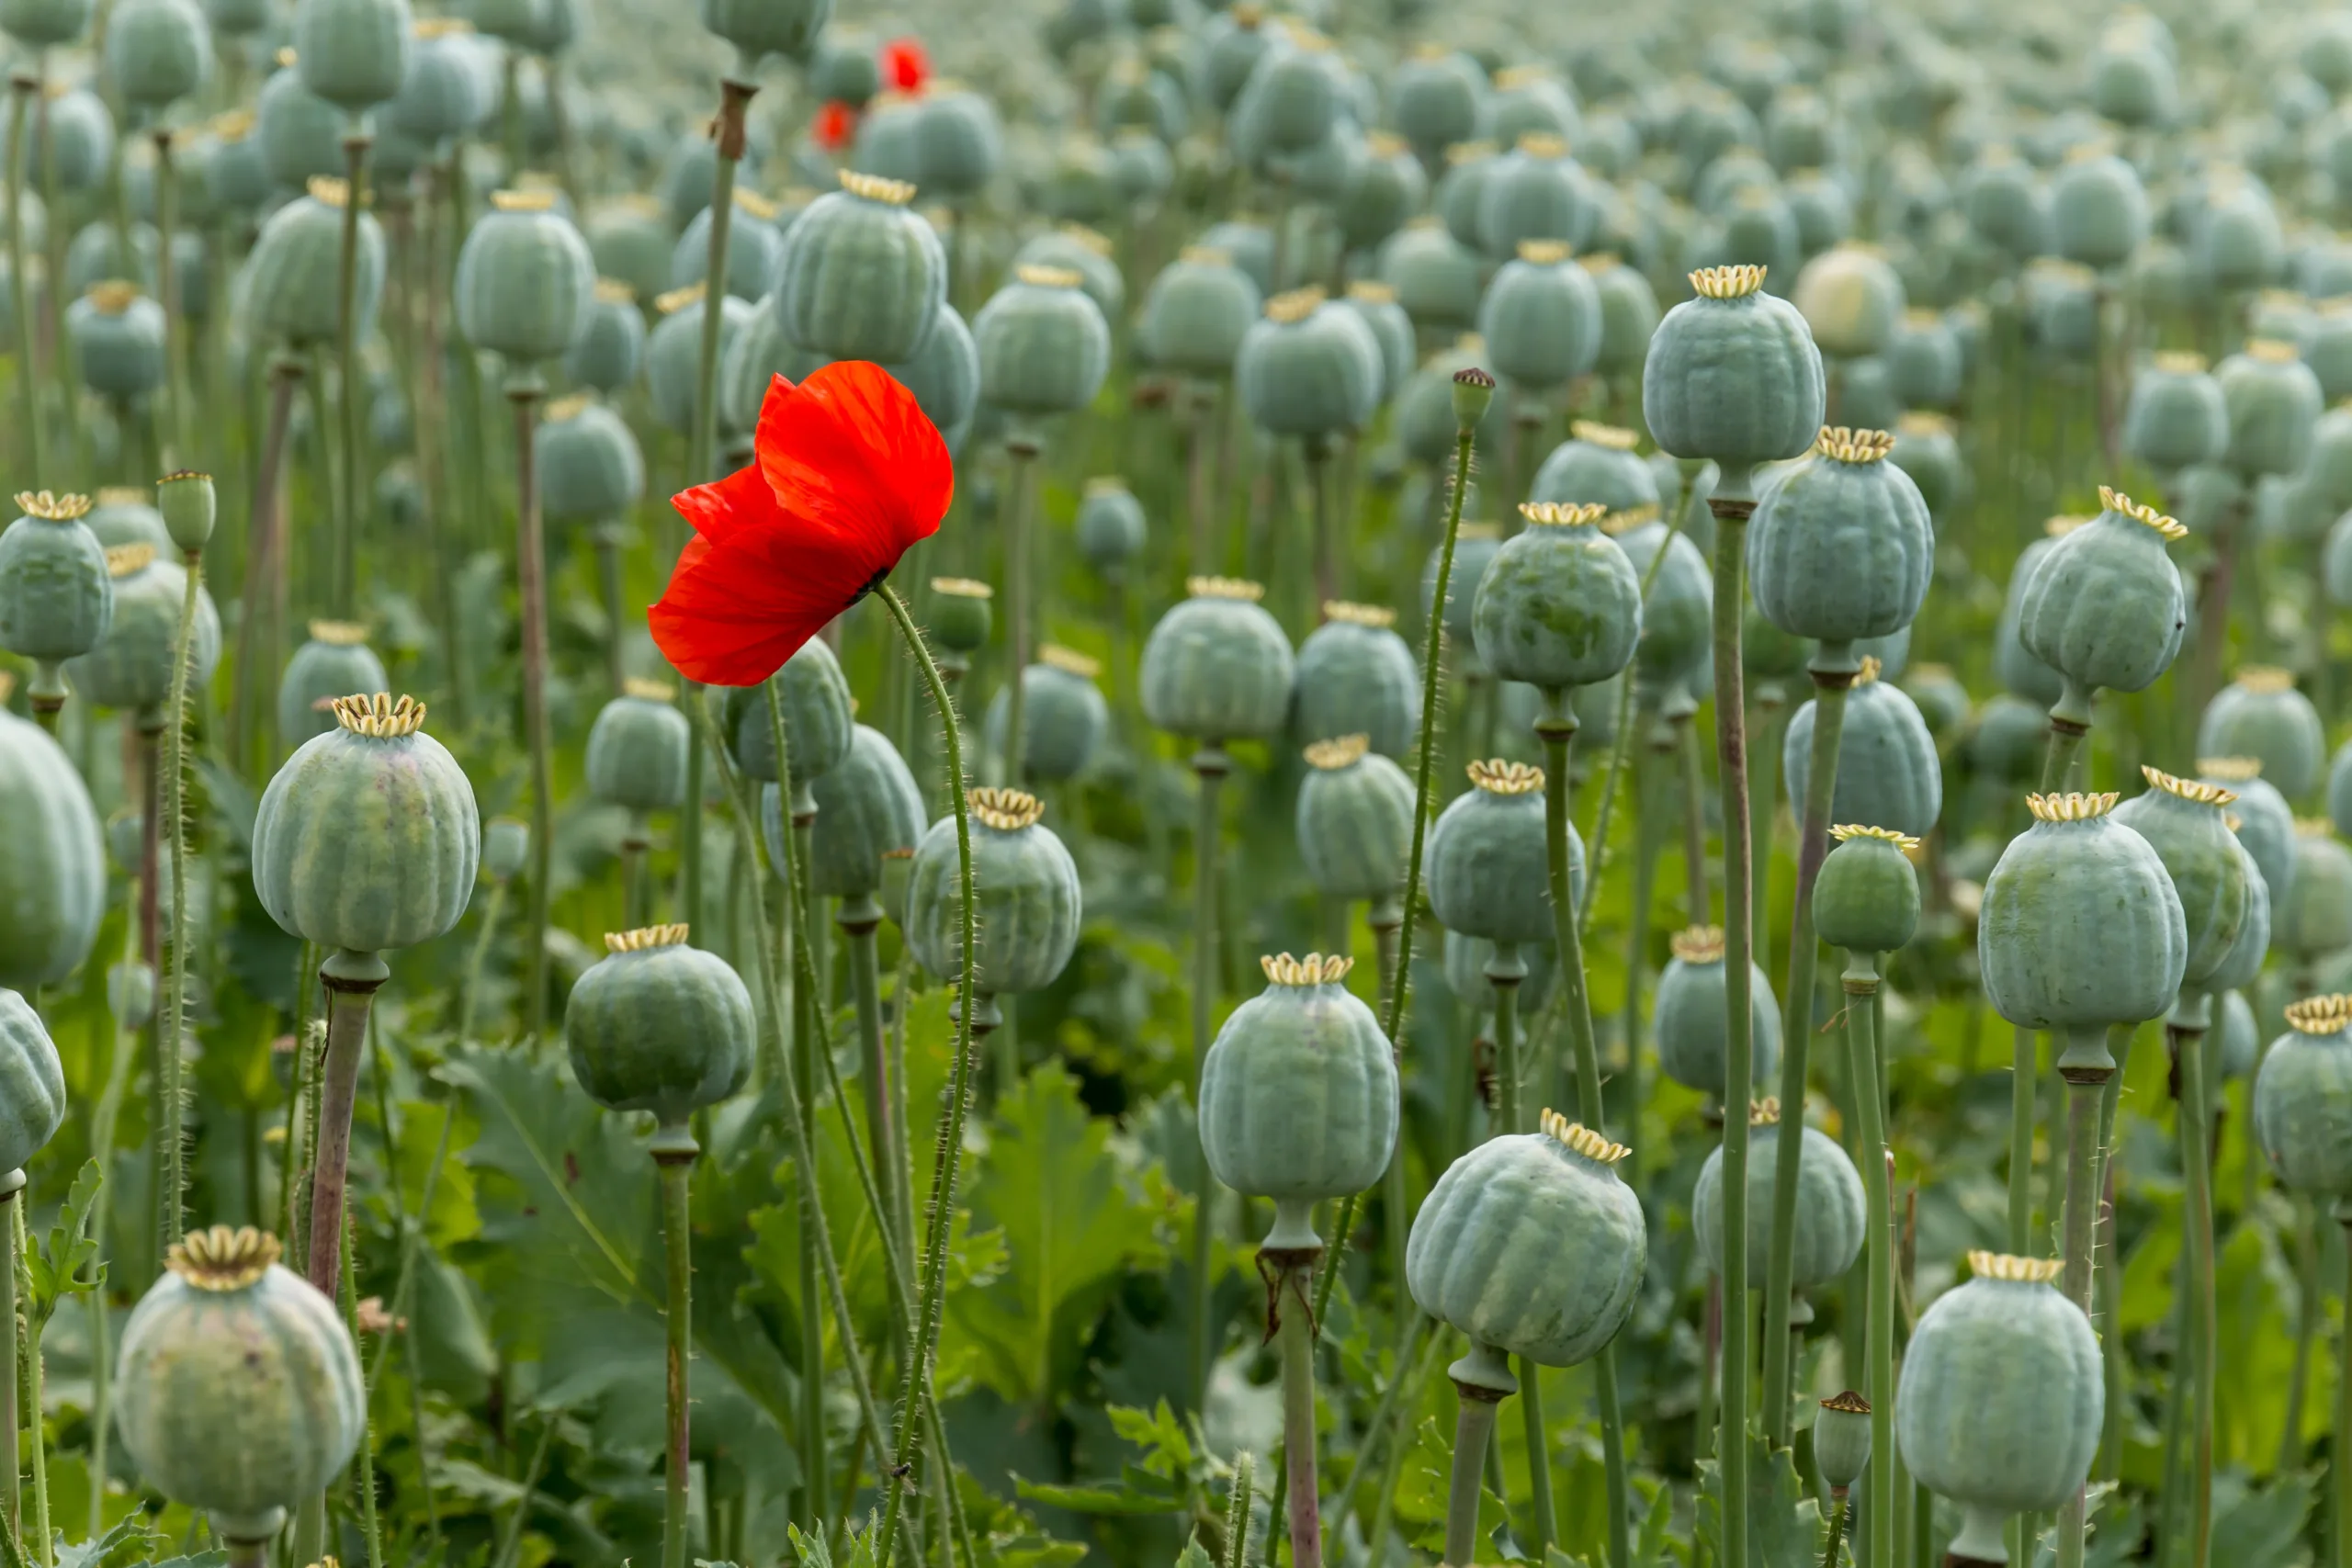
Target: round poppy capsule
131,667
1629,315
1043,346
2261,714
1025,896
1690,1020
868,808
762,27
335,662
673,351
630,243
1195,313
157,51
610,348
2274,405
292,273
56,598
1064,715
960,620
1851,300
44,24
32,1085
1111,527
525,279
445,92
1597,465
1541,317
944,376
1486,857
1435,97
1829,1212
2104,606
1841,547
1356,676
637,749
814,696
1888,773
53,860
2302,1100
1677,612
658,1025
2177,415
1354,821
961,140
591,470
1425,425
352,53
754,242
117,337
1734,375
1435,275
1309,368
1217,666
861,276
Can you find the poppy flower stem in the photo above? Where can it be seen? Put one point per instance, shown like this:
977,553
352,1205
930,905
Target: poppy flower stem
1731,767
354,382
22,86
1023,451
524,390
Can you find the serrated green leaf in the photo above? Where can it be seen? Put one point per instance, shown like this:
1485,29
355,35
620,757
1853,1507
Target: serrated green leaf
67,1263
1194,1554
1784,1525
1131,1494
1168,1449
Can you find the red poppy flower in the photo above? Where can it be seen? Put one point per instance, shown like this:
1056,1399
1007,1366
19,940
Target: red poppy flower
835,123
850,474
905,66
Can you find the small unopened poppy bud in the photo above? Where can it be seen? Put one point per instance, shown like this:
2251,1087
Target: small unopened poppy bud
1472,389
188,505
504,844
1841,1440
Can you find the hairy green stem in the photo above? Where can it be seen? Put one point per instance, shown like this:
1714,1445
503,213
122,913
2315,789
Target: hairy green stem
1020,615
1861,983
675,1152
2022,1080
363,1464
11,1347
170,1060
351,979
1293,1287
859,918
1731,762
1839,1506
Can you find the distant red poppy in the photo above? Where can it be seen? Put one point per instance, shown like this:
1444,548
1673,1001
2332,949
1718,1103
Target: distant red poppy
835,123
850,473
905,66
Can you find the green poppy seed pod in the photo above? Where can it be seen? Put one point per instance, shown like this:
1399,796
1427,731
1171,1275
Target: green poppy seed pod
189,506
1073,247
1541,317
2241,967
1830,1205
1434,99
962,142
2266,823
2080,927
1196,313
754,242
352,53
1356,676
2326,347
445,92
1732,376
239,1392
368,838
1111,528
1677,613
2314,917
2020,673
1535,191
761,27
2177,415
2339,780
1559,604
335,662
944,376
1467,959
814,695
1025,896
867,808
130,993
1841,547
1866,895
290,274
525,279
1043,346
2183,822
1486,857
2006,205
2236,1037
56,597
754,357
2098,210
1232,43
2322,491
1354,821
2302,1100
505,844
610,347
1217,666
1629,315
1299,1095
1926,449
117,338
2239,244
2261,714
1309,368
1821,208
631,243
52,861
1528,98
1064,718
1428,421
1598,465
2132,77
1291,100
157,51
1532,1245
591,470
44,24
1689,1019
1436,277
79,137
637,749
959,620
1851,300
2104,605
862,275
2273,406
2000,1400
657,1025
299,133
1841,1440
1925,369
131,667
1385,186
673,351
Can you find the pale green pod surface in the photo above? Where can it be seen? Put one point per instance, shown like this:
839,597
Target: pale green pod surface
637,750
1486,857
1529,100
754,242
1541,317
1866,895
1299,1092
1535,191
1465,958
1384,188
1732,376
79,134
368,838
1288,104
2314,917
1043,346
290,283
944,376
525,280
1851,300
335,661
632,245
1926,449
1531,1244
657,1025
2241,967
859,275
44,23
1677,614
2266,822
1436,277
2080,927
1309,368
97,255
52,861
2326,347
1195,313
238,1389
1559,604
130,668
1355,821
117,338
2303,1101
157,51
1629,315
1141,166
759,28
2339,781
2176,415
1821,208
1597,465
297,134
2236,1037
753,360
1434,99
867,807
814,695
2273,406
352,53
1889,774
1829,1213
962,143
56,599
1025,898
2098,210
1356,676
2062,309
33,1083
445,92
2002,1392
1923,366
2020,671
2182,822
1217,667
1064,715
591,469
1112,529
610,347
1841,547
1426,425
2239,244
2132,80
1690,1020
2336,563
674,355
2104,605
1075,248
2261,714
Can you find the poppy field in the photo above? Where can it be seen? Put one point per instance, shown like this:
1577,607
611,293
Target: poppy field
1152,782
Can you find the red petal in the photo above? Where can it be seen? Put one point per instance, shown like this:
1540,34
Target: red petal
732,618
720,510
905,64
851,450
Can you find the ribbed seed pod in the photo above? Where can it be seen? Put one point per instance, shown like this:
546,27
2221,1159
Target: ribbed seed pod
657,1025
52,861
1043,346
1383,187
335,662
56,598
673,351
32,1084
2098,210
2261,714
637,749
1486,872
2184,822
1734,375
753,244
631,244
290,274
1629,315
1829,1212
1851,300
610,347
861,276
1559,604
239,1391
1926,449
1841,547
44,23
525,279
591,470
352,53
2273,406
1025,896
1299,1095
1195,313
1309,368
944,377
1677,613
1064,719
814,695
445,91
1434,99
2302,1100
1073,247
1436,277
2314,917
1354,821
962,142
157,51
1598,465
762,27
1542,316
2104,605
1112,529
1924,367
1689,1021
1535,191
1356,676
2266,823
131,667
1866,895
1217,667
867,808
2177,415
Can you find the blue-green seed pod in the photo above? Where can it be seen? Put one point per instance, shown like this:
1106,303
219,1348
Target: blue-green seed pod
1888,772
1732,376
2006,205
1926,449
1597,465
117,338
2326,346
1924,366
1064,719
753,360
962,143
944,377
2261,714
2098,210
78,135
2314,916
2302,1100
1195,313
2236,1037
1841,547
335,662
126,514
1073,247
352,53
290,274
1112,530
157,51
2339,780
1535,191
657,1025
298,132
1830,1205
131,667
1354,821
1434,99
1486,857
1527,99
1677,642
2183,822
1025,898
56,598
637,749
1141,166
1217,667
1426,422
1689,1021
1466,958
1851,300
1869,901
868,807
1559,604
860,276
445,92
1043,346
1299,1095
2239,244
1356,676
2266,822
43,24
673,352
2177,415
1385,186
2104,605
1541,317
762,27
1309,368
33,1083
1289,102
52,863
591,470
631,244
1435,277
1531,1245
814,698
525,279
1629,315
2273,406
753,244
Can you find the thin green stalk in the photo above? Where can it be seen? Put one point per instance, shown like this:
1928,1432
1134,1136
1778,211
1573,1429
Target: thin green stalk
1020,501
2085,1066
363,1472
510,1537
524,390
1731,763
1861,1065
1831,681
1506,971
2340,1473
11,1347
1297,1334
167,278
2197,1166
1211,764
354,380
1473,1424
674,1150
22,88
1762,786
44,1540
170,1061
1698,899
2022,1061
859,918
2308,1309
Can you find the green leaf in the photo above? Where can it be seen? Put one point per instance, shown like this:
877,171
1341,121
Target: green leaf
2261,1527
1194,1554
1784,1525
67,1263
1134,1494
130,1539
1167,1449
1421,1490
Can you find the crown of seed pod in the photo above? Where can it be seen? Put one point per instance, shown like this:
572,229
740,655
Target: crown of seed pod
2185,822
1299,1095
56,598
1217,667
2176,416
1829,1213
2314,917
1064,715
290,274
334,662
525,279
1732,375
1889,774
1532,1244
1559,606
1866,895
1689,1019
661,1026
637,749
1841,547
238,1389
1541,312
2261,714
2302,1100
2104,605
131,667
2080,927
2000,1399
817,717
1597,464
1486,857
1024,895
1196,313
1354,821
1356,676
368,838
